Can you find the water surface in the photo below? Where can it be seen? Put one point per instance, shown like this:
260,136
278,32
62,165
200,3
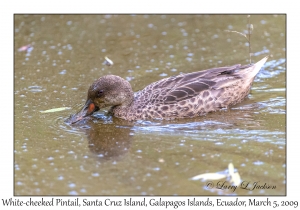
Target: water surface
109,156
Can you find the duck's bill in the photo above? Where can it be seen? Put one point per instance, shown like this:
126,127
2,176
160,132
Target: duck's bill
88,109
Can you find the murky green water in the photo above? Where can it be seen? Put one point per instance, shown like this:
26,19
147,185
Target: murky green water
109,156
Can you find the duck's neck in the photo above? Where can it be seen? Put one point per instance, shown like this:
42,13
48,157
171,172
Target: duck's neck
123,111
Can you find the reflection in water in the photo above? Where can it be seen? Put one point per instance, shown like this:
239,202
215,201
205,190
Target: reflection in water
106,138
109,140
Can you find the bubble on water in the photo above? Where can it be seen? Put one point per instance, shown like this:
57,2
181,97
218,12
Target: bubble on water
258,163
63,71
73,192
72,185
50,158
189,59
95,174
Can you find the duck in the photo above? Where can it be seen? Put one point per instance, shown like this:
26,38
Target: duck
182,96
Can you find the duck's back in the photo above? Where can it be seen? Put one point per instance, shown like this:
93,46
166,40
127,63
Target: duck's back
194,94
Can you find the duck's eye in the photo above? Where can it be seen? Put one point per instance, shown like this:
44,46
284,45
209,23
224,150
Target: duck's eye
100,93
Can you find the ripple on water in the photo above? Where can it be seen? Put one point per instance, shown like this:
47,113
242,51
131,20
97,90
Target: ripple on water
35,89
271,69
58,121
210,131
274,105
163,126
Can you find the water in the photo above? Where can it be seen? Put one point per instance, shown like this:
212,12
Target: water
108,156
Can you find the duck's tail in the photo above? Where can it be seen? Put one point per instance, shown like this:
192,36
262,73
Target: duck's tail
252,71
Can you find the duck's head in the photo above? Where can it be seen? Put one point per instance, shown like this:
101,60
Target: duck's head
109,90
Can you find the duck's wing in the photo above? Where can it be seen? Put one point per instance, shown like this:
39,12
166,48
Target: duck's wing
183,87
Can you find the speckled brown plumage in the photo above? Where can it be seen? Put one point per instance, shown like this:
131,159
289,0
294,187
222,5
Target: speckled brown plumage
185,95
